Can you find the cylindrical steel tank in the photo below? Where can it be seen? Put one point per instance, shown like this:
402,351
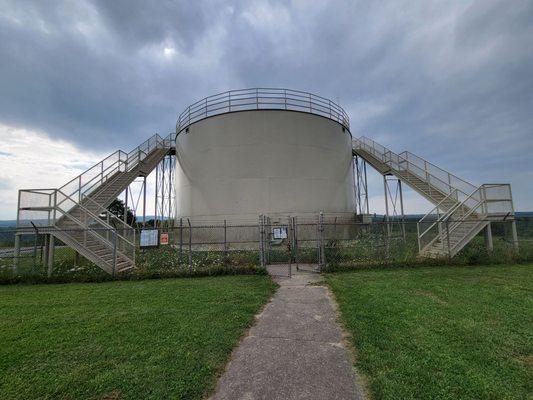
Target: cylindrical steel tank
247,159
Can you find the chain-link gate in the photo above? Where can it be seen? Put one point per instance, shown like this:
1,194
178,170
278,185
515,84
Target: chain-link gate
289,244
276,245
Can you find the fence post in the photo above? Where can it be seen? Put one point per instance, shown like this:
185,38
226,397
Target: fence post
181,237
45,250
515,235
225,240
261,241
289,244
35,246
190,244
51,249
267,232
16,253
322,253
295,242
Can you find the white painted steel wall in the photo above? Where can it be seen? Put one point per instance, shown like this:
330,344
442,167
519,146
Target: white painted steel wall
239,165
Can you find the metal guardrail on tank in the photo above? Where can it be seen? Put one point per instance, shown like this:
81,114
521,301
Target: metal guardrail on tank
262,99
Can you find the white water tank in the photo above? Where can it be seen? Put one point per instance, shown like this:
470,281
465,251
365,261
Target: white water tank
249,153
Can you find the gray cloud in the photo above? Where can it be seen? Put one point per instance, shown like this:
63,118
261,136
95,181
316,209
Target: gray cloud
451,81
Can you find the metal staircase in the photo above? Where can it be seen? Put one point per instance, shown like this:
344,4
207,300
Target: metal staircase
461,210
77,214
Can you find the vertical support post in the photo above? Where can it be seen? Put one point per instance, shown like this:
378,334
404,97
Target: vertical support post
156,194
401,209
386,205
488,238
190,244
162,188
51,251
170,171
125,216
77,259
356,192
515,235
144,201
366,188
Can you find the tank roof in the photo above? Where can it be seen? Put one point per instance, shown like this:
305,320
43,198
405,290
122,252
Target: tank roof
262,99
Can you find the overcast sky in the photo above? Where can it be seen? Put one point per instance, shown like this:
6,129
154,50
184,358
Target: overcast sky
449,80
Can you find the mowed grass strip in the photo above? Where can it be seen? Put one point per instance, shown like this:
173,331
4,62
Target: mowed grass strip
150,339
441,333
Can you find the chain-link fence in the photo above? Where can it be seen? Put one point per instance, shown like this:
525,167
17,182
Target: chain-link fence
314,244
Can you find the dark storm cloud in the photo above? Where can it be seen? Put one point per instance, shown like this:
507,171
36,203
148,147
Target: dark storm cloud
452,81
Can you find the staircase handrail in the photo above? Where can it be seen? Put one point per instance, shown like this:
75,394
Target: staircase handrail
467,184
104,225
100,177
421,220
103,171
102,209
84,209
479,201
423,175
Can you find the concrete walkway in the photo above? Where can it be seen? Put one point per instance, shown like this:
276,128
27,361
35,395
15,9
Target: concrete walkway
295,349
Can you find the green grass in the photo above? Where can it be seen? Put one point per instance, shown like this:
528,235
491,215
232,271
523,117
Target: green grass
441,333
150,339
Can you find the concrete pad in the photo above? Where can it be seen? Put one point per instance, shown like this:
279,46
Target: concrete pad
295,349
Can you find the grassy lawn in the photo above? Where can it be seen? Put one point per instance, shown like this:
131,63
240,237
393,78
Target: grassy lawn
441,333
123,340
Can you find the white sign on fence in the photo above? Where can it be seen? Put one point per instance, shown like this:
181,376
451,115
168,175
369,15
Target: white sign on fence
279,233
149,238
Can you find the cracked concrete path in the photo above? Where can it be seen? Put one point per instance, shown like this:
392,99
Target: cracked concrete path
295,350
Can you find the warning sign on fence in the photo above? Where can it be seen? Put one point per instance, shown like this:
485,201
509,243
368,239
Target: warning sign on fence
163,239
